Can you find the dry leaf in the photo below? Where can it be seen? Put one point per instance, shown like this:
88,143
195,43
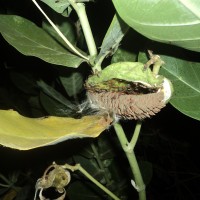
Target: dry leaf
25,133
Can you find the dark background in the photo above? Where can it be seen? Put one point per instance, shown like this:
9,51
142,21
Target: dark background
169,140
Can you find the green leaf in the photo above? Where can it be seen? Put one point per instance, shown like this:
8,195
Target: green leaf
73,84
123,55
61,6
51,92
24,133
54,107
142,57
185,77
31,40
113,37
172,22
128,71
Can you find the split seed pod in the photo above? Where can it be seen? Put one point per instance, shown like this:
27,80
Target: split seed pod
128,90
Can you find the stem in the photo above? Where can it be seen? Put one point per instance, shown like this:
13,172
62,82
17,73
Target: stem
135,134
98,184
156,61
4,185
80,10
99,62
128,149
139,183
157,65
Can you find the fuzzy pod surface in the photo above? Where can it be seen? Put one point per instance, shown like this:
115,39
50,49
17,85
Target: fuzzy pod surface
129,94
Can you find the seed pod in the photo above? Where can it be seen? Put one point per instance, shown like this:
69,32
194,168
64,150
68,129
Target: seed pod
137,98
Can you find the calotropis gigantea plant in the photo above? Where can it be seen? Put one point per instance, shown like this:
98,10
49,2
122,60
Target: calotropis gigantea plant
122,90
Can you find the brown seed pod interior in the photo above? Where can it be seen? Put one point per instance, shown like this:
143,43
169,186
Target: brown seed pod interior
128,106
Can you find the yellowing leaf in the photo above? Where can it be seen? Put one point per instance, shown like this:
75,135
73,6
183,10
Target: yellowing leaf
25,133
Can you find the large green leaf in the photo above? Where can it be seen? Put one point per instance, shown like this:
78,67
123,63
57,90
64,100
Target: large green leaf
174,22
24,133
31,40
185,77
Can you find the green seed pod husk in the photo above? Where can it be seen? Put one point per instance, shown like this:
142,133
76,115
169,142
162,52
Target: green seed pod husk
127,71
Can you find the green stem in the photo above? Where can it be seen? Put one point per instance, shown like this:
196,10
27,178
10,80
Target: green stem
128,149
139,183
90,177
98,64
156,61
80,10
135,134
157,65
